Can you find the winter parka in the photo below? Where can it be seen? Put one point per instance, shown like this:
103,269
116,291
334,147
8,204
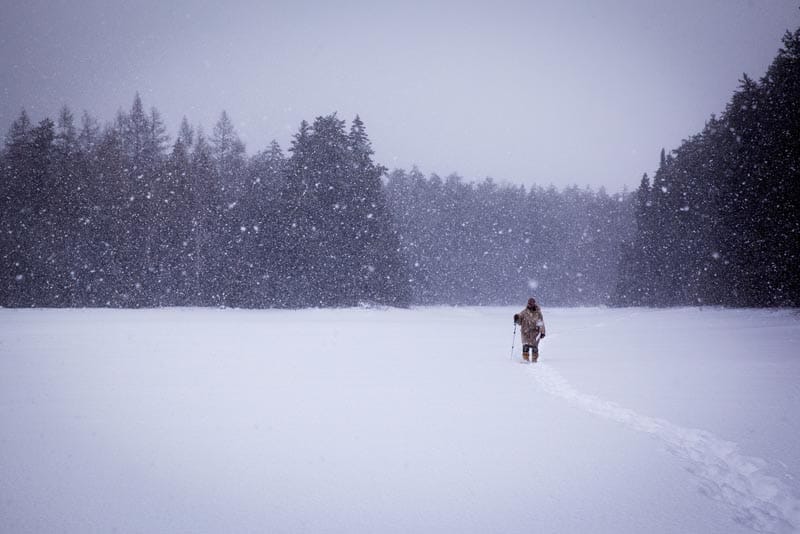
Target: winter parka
532,322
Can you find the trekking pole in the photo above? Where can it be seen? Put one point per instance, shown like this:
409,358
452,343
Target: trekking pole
513,339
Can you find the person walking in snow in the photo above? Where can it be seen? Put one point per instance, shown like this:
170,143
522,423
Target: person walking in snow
532,322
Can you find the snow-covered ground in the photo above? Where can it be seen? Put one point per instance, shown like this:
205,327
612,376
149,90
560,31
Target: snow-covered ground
192,420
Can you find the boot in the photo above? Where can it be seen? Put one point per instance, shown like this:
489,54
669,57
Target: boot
535,357
525,356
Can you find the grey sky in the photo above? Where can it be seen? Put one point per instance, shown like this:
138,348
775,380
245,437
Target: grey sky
562,92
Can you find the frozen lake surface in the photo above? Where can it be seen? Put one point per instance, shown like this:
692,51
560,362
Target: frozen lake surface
421,420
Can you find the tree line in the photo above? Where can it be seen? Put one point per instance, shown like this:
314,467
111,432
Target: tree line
121,216
118,216
720,221
483,243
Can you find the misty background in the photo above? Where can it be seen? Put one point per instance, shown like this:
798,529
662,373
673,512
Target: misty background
122,210
526,92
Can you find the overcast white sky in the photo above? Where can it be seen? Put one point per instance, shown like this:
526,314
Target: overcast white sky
561,92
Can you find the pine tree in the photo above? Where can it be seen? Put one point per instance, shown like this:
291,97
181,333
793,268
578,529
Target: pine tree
16,208
68,209
143,142
376,244
260,212
228,153
724,221
28,185
340,247
208,205
175,242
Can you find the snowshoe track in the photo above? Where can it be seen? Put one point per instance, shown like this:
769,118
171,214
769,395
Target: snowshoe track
760,501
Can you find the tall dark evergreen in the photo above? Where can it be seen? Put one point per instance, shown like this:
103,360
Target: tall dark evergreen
230,163
340,246
67,210
384,276
720,224
26,196
259,216
175,239
143,142
208,204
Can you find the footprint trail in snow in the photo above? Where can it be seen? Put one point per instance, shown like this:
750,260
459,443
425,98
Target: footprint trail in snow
760,501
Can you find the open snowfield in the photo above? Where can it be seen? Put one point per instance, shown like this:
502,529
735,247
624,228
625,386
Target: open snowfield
357,420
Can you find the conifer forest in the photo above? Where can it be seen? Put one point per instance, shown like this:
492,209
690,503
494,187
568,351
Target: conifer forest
122,214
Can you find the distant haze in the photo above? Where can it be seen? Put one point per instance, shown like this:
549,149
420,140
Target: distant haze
560,92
